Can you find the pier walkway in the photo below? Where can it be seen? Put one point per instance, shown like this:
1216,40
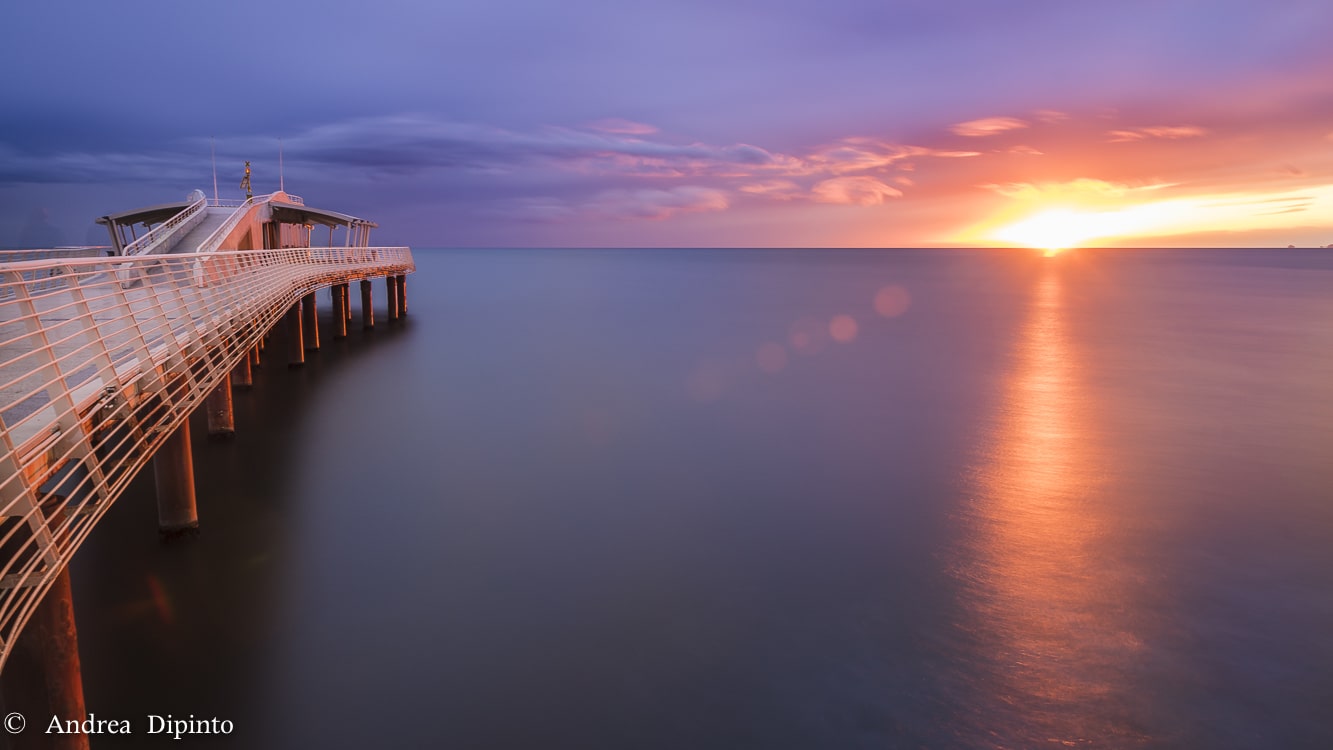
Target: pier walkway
103,359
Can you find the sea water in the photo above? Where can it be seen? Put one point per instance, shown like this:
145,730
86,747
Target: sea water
760,498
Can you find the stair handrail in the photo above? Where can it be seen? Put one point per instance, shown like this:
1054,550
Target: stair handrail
181,222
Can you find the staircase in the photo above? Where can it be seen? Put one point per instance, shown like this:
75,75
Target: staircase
214,217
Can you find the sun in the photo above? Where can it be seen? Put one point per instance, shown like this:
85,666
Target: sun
1052,230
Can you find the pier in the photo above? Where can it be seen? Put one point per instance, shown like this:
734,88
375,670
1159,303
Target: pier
103,360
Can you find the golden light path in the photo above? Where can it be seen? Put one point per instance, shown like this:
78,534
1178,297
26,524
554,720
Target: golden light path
1047,610
1060,226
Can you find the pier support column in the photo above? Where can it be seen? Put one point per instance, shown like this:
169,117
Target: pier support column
402,296
339,293
310,322
221,421
295,347
42,676
367,306
173,470
347,302
253,356
391,291
241,377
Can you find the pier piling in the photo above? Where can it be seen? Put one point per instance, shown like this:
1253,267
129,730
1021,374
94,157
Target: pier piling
241,377
339,294
391,290
42,677
173,470
310,322
295,347
221,421
367,308
402,296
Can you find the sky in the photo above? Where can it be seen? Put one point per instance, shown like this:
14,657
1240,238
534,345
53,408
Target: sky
693,123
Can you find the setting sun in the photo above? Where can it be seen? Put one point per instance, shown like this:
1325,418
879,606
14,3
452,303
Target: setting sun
1052,231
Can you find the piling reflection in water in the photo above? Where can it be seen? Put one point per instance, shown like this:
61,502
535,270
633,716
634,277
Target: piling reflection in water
1039,603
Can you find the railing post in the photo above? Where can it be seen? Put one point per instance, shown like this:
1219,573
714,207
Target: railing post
173,470
367,308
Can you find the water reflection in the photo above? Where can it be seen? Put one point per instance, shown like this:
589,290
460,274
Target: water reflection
1046,606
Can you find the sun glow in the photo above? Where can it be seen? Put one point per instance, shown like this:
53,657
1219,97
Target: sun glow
1055,228
1052,231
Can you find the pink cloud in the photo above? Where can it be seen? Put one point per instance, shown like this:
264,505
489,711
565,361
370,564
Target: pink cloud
858,191
860,154
654,203
782,190
621,126
987,126
1050,116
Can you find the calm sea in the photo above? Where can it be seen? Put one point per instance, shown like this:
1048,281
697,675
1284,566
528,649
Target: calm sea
760,499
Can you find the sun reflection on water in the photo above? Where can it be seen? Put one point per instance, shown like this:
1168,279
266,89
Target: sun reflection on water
1047,622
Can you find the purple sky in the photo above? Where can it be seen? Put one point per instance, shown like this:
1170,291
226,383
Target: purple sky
682,123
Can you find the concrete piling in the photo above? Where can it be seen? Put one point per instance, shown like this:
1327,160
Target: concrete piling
339,292
42,677
391,290
173,470
221,421
295,347
310,322
402,296
367,308
241,376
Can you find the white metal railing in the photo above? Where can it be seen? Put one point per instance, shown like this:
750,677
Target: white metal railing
181,222
47,253
94,376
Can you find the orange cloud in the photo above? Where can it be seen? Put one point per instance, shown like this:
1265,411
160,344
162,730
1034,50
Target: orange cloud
1081,187
782,190
1162,131
987,126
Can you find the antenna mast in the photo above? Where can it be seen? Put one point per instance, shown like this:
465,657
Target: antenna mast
213,152
281,187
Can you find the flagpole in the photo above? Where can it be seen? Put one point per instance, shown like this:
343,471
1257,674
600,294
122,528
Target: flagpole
213,152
